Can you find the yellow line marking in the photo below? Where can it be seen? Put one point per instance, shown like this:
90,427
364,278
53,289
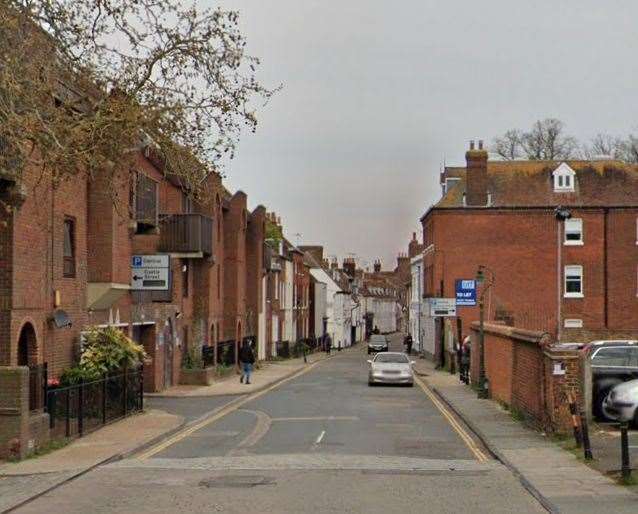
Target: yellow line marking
469,442
224,411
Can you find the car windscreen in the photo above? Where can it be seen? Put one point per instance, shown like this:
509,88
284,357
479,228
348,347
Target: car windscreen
377,339
392,358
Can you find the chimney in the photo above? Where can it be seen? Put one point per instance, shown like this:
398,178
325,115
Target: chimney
414,248
377,266
334,265
476,176
349,266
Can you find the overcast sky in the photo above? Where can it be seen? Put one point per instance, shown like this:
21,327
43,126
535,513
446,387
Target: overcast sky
377,93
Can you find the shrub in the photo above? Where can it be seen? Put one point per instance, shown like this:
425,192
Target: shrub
105,351
192,360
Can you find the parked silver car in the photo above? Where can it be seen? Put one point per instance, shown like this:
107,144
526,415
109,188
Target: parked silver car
391,368
622,402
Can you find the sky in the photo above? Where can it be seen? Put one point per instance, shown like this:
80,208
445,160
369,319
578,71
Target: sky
378,94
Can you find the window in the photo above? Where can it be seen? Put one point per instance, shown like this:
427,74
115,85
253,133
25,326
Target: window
564,179
145,203
574,231
611,357
573,323
573,281
69,248
187,203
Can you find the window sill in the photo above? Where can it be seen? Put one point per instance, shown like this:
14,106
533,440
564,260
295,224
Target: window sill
575,243
574,295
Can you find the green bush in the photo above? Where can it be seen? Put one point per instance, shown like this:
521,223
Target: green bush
192,360
105,351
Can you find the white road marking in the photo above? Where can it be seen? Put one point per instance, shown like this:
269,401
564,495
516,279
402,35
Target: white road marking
319,418
320,438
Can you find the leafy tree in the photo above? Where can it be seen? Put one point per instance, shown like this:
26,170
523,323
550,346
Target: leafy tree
84,84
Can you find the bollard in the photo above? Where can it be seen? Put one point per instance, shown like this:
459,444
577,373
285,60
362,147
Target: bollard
585,435
573,410
624,442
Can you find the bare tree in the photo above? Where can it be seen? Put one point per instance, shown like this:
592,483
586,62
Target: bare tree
508,146
628,149
545,141
85,83
603,145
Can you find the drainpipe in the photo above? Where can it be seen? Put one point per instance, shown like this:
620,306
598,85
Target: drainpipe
561,215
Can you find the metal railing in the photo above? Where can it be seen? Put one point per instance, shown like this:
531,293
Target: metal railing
79,409
226,353
186,233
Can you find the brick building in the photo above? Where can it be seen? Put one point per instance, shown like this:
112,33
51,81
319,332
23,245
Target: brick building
575,279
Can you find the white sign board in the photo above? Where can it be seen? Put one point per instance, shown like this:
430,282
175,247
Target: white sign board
442,307
150,272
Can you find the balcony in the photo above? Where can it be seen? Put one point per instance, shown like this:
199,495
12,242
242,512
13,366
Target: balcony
187,235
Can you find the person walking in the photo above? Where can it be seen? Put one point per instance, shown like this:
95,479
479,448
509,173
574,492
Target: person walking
408,344
466,349
328,343
247,359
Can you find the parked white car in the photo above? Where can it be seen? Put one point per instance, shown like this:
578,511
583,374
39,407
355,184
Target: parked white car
622,402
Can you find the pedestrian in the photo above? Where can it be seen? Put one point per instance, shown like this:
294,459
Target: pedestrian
247,359
328,343
466,351
376,330
408,344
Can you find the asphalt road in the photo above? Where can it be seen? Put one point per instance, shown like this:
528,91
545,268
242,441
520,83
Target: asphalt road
321,442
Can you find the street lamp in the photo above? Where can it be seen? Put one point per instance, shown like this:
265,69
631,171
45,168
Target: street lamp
487,283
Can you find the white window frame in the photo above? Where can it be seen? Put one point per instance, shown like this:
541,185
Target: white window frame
573,269
575,228
564,179
573,323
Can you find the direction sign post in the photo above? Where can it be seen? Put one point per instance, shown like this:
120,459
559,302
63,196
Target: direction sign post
442,307
150,272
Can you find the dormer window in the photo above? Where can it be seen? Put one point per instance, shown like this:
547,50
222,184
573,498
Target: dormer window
564,179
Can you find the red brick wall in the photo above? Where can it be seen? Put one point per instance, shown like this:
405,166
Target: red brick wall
520,247
255,267
234,272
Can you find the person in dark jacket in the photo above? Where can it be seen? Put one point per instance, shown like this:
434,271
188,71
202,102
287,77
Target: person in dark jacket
408,344
246,359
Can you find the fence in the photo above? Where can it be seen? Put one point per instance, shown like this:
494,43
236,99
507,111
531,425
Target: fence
226,353
38,377
80,409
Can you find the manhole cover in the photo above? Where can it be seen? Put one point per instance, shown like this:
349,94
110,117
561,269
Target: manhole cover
236,481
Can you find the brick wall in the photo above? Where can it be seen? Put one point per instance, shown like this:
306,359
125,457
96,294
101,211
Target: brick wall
14,412
234,269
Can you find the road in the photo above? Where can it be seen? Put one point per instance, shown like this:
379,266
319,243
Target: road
322,441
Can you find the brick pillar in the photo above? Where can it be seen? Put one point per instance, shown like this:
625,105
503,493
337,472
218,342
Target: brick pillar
14,412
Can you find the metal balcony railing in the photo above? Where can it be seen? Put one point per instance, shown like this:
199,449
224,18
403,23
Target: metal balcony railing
186,233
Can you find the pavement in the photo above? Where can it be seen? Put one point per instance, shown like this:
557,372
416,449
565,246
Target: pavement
163,415
318,441
24,480
268,373
561,481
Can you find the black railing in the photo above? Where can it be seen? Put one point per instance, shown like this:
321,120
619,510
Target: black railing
79,409
37,386
226,353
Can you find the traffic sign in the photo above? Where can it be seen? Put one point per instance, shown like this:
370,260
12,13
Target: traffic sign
150,272
442,307
465,293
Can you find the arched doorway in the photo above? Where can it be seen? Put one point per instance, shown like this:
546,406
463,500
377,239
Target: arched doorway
27,346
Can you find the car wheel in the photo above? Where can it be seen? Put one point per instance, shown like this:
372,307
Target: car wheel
370,384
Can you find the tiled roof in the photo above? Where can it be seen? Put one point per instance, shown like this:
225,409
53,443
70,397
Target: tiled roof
530,183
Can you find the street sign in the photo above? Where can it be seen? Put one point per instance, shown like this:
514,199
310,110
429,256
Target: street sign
442,307
465,293
150,272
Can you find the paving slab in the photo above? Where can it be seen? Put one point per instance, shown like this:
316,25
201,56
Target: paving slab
556,476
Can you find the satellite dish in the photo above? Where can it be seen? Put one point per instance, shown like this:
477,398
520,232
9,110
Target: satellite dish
61,319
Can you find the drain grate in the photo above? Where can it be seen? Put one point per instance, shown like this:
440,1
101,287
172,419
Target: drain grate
239,482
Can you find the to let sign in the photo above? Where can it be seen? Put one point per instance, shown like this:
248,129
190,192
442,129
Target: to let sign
442,307
465,293
150,272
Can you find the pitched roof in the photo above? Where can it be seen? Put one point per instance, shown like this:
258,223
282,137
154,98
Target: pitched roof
530,184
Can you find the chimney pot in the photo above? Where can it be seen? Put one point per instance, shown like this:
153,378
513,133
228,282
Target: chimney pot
471,144
480,144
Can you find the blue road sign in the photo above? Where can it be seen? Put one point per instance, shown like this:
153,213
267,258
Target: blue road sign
465,293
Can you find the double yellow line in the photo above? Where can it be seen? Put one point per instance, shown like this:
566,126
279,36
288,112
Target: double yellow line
469,442
224,411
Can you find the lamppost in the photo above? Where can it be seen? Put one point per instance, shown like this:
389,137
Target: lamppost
487,284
